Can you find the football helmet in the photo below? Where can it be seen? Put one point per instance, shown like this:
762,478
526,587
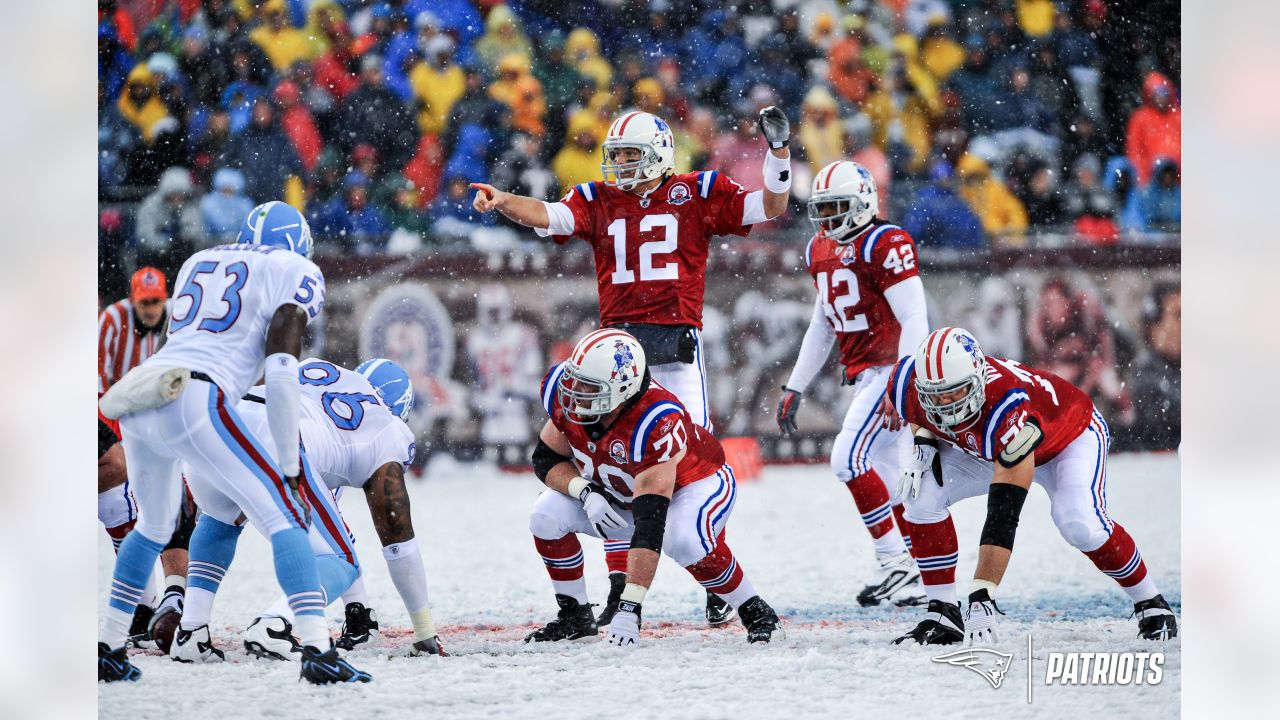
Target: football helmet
605,369
647,133
951,378
392,383
849,189
277,224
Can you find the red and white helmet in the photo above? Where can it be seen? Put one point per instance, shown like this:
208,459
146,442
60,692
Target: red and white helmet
848,189
649,134
605,369
951,378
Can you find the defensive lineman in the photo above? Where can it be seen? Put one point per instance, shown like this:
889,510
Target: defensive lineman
870,300
650,230
239,307
623,460
1004,425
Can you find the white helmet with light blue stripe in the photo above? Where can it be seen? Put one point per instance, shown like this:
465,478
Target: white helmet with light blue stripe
392,383
279,225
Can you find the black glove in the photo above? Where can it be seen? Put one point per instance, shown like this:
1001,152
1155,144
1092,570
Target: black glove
787,407
775,127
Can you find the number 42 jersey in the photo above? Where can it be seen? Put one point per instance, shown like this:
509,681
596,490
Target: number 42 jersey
651,431
224,300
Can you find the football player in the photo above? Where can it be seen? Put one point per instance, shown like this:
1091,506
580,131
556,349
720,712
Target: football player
989,425
623,459
240,313
651,230
871,301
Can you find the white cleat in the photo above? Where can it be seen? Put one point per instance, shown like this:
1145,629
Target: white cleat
190,646
272,638
897,572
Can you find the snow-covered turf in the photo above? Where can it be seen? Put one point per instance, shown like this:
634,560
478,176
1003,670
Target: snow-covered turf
798,537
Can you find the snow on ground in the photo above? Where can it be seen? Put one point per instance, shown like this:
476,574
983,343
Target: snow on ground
798,537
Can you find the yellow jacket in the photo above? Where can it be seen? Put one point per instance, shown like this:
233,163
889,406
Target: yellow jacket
151,112
1036,17
438,90
573,165
942,56
914,114
283,48
1000,211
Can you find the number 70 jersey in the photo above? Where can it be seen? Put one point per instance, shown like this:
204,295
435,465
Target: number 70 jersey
224,299
851,280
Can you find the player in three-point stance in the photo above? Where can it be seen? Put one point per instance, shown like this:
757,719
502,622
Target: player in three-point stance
623,460
240,308
651,230
1003,425
871,301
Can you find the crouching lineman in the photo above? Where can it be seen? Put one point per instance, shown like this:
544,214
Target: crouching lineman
1005,425
623,460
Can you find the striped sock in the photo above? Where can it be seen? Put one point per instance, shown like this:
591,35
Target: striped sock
212,548
872,499
720,573
1119,559
615,555
296,571
903,526
563,558
136,559
936,550
336,575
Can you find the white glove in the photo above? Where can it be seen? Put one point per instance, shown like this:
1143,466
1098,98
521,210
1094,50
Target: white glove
624,629
918,468
980,618
603,517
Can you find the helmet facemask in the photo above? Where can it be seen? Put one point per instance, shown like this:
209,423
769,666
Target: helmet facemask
948,414
626,175
584,400
837,225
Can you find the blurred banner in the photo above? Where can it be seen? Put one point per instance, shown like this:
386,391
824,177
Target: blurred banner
478,331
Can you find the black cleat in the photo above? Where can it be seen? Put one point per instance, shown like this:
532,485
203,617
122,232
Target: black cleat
719,612
896,574
761,621
114,665
942,625
139,629
617,581
360,626
574,622
429,647
1155,619
322,668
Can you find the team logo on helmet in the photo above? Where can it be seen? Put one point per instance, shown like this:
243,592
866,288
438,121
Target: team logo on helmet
679,194
618,451
661,125
623,360
969,345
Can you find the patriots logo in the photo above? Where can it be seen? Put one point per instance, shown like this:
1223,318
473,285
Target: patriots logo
618,452
661,125
623,360
969,345
990,664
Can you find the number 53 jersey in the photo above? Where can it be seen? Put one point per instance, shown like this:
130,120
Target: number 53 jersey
223,302
851,280
652,430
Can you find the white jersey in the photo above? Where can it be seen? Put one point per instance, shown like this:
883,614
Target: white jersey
225,300
347,432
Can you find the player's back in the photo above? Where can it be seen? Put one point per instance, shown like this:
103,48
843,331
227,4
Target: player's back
225,299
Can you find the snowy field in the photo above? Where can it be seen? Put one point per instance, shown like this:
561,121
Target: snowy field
797,535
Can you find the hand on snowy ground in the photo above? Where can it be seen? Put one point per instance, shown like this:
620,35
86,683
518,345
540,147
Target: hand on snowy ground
624,629
980,618
488,197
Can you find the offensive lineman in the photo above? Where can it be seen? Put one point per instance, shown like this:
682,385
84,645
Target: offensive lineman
870,299
622,459
241,307
1005,425
651,231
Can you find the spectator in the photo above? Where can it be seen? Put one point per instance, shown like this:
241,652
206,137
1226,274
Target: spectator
114,60
335,71
169,224
520,170
1155,128
1042,200
1035,17
1161,201
559,82
503,36
266,157
475,107
859,148
321,15
521,93
821,134
375,115
1089,205
367,227
1118,179
976,84
283,43
737,153
401,205
1157,375
224,210
117,139
848,73
1000,211
471,153
140,104
940,54
902,109
298,125
437,84
211,147
206,74
451,214
939,218
364,158
579,160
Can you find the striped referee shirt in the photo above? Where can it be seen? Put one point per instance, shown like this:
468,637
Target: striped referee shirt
123,343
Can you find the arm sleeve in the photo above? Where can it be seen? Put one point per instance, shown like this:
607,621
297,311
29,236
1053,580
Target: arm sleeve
284,398
814,350
560,220
404,562
753,208
906,299
570,216
726,203
106,341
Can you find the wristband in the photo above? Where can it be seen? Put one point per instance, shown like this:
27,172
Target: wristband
579,488
979,585
424,627
777,173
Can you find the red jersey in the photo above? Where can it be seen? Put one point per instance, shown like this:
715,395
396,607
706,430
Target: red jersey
651,254
651,431
851,280
1015,395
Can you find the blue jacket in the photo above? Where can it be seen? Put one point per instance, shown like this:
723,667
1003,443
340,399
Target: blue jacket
940,218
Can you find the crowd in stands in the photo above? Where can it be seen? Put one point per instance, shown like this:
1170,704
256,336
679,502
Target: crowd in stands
983,121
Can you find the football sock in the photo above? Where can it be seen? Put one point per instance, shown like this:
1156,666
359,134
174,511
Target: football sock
720,573
936,550
872,499
134,563
1119,559
213,547
296,571
563,558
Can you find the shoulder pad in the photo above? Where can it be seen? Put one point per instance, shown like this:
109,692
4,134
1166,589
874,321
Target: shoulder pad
996,418
649,419
899,379
1022,445
549,383
706,180
868,246
588,190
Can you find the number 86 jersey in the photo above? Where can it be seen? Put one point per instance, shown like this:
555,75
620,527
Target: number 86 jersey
851,280
652,430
